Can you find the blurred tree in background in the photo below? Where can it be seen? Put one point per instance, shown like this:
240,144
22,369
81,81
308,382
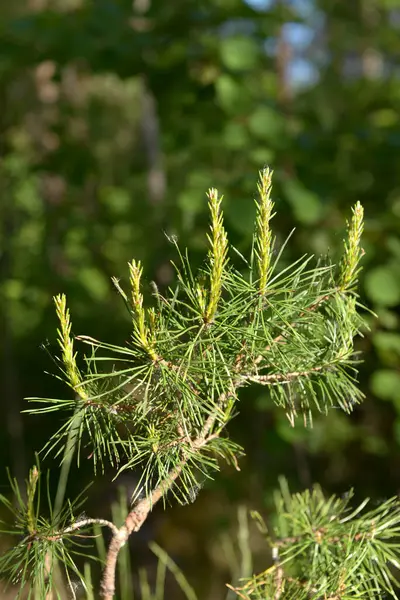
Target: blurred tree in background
115,116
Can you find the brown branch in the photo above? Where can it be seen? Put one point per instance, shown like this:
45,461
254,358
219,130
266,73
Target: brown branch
72,529
138,516
279,582
140,512
282,377
87,521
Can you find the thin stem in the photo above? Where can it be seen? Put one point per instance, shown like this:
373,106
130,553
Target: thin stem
67,460
88,521
284,377
138,516
75,527
66,344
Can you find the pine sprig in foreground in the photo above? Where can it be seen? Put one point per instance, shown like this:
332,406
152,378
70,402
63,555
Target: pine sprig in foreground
162,402
323,548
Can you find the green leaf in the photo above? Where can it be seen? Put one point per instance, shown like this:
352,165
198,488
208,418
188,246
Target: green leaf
235,135
116,199
382,285
390,4
241,214
330,434
306,205
393,244
231,95
262,156
191,203
385,384
239,53
387,318
374,444
289,434
192,200
385,117
266,123
94,281
387,341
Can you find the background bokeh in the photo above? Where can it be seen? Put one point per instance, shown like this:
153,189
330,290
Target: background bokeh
116,116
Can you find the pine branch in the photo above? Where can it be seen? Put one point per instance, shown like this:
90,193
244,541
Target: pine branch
283,377
81,523
322,548
282,338
137,517
165,401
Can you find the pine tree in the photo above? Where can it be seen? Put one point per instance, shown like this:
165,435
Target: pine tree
162,402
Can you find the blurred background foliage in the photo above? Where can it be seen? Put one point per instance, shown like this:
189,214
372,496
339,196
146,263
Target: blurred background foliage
115,118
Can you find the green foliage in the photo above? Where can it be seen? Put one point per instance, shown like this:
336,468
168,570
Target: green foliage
44,543
76,204
385,384
382,286
306,206
325,548
239,53
332,139
173,388
164,402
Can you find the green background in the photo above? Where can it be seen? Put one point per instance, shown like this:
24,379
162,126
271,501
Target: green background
115,118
